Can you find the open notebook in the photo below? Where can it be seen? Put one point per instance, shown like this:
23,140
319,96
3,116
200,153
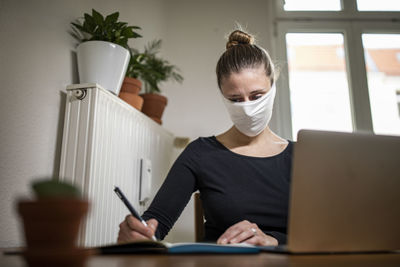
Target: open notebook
149,246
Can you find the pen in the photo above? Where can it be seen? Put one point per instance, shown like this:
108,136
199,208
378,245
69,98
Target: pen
130,208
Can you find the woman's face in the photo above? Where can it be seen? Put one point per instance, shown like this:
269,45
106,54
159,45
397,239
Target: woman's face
246,85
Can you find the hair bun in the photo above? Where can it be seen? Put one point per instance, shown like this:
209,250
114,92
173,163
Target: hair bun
239,37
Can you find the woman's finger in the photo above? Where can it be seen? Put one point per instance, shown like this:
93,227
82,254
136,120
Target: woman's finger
137,226
228,235
137,236
244,235
232,232
255,240
152,223
262,240
132,229
124,232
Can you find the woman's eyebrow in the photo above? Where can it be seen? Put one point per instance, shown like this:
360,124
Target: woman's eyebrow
235,95
257,91
251,93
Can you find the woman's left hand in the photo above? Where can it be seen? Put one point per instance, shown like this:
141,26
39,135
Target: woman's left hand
248,232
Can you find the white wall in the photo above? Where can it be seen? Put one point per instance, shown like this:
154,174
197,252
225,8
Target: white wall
195,39
37,62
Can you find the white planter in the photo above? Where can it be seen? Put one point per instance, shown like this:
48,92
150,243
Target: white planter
103,63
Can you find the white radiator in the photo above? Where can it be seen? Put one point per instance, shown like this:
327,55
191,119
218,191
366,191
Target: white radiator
105,141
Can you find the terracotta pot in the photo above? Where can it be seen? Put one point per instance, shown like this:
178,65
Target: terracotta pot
57,257
129,92
131,85
153,106
51,229
52,223
156,120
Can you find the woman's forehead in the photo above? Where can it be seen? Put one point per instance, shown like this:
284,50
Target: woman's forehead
246,80
255,72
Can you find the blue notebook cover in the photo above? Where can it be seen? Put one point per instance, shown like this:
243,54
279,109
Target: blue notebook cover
149,246
180,248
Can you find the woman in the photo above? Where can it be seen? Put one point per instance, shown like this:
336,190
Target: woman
243,175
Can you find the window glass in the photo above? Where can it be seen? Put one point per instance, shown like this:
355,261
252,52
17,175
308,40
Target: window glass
319,92
381,5
312,5
382,58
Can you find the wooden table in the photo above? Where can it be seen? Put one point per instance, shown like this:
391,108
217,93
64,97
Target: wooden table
263,259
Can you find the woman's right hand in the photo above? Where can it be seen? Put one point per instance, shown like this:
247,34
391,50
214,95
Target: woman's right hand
131,229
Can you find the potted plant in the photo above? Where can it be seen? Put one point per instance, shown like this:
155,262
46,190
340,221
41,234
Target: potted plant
51,224
156,70
103,53
131,86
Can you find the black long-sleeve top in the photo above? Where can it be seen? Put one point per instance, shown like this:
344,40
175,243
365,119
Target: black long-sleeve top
232,187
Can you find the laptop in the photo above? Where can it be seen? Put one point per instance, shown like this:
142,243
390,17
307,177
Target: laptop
345,194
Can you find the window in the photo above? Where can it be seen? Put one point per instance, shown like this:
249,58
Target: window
381,52
325,5
398,100
319,91
337,70
381,5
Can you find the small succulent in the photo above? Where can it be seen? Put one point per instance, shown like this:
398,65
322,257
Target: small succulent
50,188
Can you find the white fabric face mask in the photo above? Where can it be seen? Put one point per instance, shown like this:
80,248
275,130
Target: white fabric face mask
251,117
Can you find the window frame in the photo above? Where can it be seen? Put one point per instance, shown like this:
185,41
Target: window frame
352,24
349,12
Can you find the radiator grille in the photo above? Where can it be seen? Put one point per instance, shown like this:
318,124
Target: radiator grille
104,140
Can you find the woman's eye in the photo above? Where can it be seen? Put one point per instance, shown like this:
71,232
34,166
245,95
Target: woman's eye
255,97
236,100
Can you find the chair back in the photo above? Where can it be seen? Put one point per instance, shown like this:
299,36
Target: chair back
198,218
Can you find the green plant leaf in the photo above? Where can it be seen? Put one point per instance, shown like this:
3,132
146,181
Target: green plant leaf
76,37
123,41
127,32
97,17
109,34
90,23
76,32
77,26
95,27
134,34
86,27
120,25
152,69
112,18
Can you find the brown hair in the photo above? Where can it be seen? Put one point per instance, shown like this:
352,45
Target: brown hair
242,52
